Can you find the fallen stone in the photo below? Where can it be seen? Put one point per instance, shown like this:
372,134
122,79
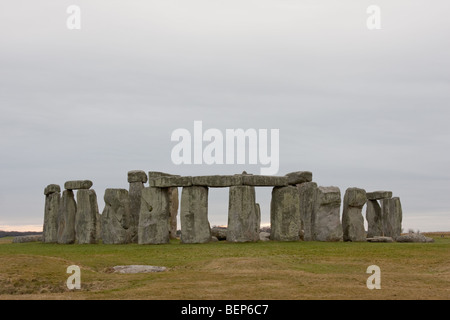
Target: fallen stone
66,218
30,238
242,215
137,176
414,237
154,216
352,218
52,188
116,217
138,269
51,212
217,181
327,224
299,177
213,239
195,226
86,217
78,184
378,195
219,232
285,220
307,192
380,239
264,236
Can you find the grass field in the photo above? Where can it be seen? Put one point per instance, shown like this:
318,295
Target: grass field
221,270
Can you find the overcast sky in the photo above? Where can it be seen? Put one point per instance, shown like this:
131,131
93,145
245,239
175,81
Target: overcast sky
357,107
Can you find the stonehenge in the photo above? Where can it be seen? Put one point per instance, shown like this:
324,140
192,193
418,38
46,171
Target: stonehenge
300,210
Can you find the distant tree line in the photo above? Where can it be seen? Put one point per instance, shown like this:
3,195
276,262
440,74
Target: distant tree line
17,233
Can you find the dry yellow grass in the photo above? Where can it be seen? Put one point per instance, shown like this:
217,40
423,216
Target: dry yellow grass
272,270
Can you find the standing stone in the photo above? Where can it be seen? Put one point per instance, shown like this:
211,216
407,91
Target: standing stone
136,179
242,214
392,217
98,233
86,217
52,203
66,218
173,211
374,219
258,218
326,217
154,216
352,218
116,217
307,192
195,226
285,220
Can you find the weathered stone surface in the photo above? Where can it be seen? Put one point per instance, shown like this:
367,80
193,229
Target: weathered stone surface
195,226
134,195
378,195
78,184
137,176
138,269
86,217
29,238
52,188
414,237
307,192
391,210
327,224
98,226
380,239
285,220
66,218
219,232
258,217
299,177
171,181
352,219
51,212
157,174
116,217
264,236
242,215
374,219
154,216
173,211
263,181
217,181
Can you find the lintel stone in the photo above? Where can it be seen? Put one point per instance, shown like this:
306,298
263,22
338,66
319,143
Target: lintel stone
217,181
378,195
299,177
78,184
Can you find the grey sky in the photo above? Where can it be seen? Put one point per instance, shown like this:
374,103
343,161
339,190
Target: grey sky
359,108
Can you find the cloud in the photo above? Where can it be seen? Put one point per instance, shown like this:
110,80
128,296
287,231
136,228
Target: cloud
356,107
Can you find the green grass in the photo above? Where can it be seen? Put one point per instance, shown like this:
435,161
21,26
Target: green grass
221,270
